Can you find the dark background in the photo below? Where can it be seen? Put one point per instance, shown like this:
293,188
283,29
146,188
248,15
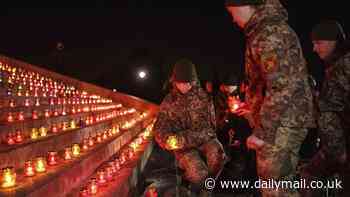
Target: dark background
107,42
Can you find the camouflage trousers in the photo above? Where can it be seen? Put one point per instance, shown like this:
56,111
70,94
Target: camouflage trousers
332,156
278,161
200,163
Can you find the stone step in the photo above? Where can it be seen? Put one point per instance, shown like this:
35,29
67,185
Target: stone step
62,178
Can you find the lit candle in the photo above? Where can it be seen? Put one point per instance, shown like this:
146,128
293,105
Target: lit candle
52,158
37,102
91,141
109,173
35,115
104,136
29,169
54,128
99,138
26,103
19,137
101,177
27,93
40,164
12,103
113,167
10,139
20,116
43,131
73,110
72,124
8,177
85,144
110,134
52,102
55,113
10,117
131,153
76,150
64,126
93,188
47,113
34,134
68,153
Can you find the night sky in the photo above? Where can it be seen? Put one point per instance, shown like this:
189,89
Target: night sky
106,43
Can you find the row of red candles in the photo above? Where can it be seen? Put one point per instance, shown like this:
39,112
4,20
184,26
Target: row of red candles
39,164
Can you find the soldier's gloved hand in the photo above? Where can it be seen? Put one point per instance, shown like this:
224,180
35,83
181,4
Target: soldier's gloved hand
254,142
174,142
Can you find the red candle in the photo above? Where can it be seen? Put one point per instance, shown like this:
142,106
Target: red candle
91,141
10,139
12,103
99,138
26,103
101,177
35,115
93,187
19,137
47,113
21,116
68,153
10,117
52,101
54,128
85,144
37,103
29,169
105,136
113,167
52,158
109,173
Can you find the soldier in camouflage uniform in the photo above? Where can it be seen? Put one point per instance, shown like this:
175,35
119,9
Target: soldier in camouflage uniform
187,115
334,100
279,99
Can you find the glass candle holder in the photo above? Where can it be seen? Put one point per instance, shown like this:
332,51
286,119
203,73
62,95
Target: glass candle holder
29,169
10,139
52,158
10,117
91,141
43,131
34,134
8,177
40,164
19,137
76,150
68,153
101,177
21,116
93,187
85,144
109,173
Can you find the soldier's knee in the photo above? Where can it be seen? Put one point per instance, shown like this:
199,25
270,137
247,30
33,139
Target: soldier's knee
197,176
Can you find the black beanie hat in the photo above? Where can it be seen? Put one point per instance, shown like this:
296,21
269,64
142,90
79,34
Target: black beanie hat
184,71
328,30
243,2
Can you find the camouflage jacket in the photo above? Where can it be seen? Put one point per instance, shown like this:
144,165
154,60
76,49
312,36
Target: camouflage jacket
278,90
335,93
190,115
